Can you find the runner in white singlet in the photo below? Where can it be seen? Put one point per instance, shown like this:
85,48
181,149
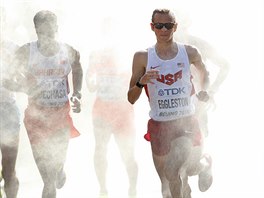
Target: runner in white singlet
43,69
112,115
173,130
9,117
9,123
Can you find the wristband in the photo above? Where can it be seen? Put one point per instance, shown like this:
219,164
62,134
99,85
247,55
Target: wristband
139,85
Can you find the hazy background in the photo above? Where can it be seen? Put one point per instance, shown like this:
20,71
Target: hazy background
235,139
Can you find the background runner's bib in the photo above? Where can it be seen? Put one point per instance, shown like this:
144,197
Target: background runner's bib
170,95
51,75
109,74
111,87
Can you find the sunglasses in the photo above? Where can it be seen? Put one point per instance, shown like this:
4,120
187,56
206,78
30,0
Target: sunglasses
159,26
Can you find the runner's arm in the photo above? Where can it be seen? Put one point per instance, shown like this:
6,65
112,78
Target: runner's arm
18,80
138,70
196,59
77,73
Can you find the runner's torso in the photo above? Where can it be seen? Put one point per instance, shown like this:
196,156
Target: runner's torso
111,77
170,97
51,75
7,52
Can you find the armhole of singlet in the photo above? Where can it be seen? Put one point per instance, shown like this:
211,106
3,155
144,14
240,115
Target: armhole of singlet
65,51
150,51
182,50
32,49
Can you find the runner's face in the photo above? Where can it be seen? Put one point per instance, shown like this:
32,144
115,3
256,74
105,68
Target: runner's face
47,30
163,34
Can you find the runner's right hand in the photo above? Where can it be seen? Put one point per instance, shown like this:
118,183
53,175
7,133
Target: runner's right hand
76,104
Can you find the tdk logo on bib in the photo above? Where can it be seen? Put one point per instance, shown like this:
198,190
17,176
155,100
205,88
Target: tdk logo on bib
173,91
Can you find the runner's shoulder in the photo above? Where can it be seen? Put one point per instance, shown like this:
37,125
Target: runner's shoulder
72,52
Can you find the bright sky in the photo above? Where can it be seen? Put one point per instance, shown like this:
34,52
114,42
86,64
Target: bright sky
234,27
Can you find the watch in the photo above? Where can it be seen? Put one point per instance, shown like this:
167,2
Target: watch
139,85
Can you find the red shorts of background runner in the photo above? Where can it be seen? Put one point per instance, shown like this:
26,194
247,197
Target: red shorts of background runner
119,114
42,122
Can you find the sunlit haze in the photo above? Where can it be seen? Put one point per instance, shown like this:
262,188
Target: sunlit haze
234,28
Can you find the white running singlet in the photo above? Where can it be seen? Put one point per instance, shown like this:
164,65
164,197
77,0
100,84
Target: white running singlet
7,51
51,74
170,97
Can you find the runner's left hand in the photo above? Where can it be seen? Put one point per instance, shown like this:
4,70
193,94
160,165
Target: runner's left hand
203,96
